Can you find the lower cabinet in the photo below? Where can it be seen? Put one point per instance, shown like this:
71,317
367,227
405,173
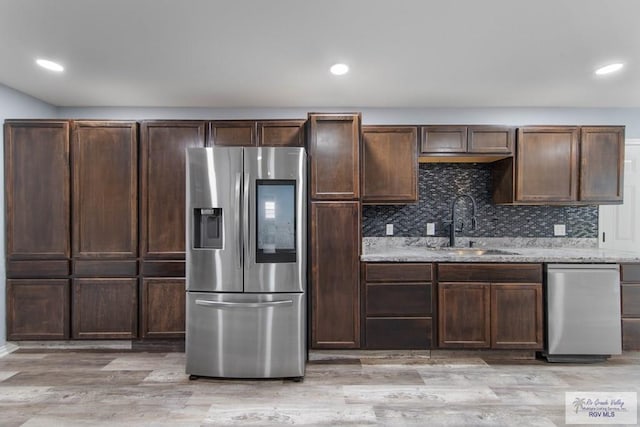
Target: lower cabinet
630,278
334,262
397,308
37,309
104,308
162,308
503,311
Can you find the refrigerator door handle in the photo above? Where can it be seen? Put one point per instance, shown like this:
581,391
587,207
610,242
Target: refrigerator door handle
225,304
237,218
245,215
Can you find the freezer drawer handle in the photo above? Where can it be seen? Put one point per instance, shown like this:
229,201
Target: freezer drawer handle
224,304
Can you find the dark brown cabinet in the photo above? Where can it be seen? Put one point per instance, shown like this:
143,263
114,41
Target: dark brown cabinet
334,155
37,191
601,164
38,309
281,133
547,164
490,306
389,164
37,224
105,189
450,142
397,306
335,253
104,308
562,165
630,293
162,311
163,147
162,190
464,315
267,133
516,316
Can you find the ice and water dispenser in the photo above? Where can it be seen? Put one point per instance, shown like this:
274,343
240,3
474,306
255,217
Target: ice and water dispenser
208,226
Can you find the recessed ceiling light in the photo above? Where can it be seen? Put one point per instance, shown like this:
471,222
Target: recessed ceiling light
611,68
50,65
339,69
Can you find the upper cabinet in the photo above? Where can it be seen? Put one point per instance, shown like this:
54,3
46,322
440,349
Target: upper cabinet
36,167
334,143
266,133
562,165
105,189
162,192
389,164
601,164
483,143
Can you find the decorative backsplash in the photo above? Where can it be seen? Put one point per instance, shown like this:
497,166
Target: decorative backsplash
439,183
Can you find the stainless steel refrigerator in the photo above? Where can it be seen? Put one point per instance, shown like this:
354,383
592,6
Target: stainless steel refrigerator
246,262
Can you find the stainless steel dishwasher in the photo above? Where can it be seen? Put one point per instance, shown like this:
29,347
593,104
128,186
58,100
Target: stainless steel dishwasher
583,312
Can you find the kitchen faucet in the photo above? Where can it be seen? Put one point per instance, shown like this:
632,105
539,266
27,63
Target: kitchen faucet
452,222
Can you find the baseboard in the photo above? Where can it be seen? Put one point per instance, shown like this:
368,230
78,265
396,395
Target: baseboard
7,348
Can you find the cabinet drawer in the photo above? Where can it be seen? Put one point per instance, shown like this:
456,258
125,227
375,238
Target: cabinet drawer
630,272
398,333
102,268
398,272
631,334
631,300
398,299
463,272
32,269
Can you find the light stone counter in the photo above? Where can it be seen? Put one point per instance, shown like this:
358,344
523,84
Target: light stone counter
521,250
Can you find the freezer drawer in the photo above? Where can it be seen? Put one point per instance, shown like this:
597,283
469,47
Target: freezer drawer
246,335
583,309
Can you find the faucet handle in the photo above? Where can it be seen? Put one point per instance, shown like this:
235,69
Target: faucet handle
474,223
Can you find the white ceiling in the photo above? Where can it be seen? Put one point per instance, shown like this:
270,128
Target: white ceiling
276,53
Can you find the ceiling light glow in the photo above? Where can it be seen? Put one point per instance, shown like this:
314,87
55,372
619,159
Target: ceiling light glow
608,69
50,65
339,69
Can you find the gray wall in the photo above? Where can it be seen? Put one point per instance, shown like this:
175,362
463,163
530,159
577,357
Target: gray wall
14,105
629,117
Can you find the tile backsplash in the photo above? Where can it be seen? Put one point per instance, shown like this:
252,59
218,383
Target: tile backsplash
439,183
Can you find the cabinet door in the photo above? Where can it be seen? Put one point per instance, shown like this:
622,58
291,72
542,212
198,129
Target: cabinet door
389,164
335,253
163,308
516,316
547,164
162,185
104,308
232,133
491,139
38,309
334,155
444,139
37,189
601,164
464,315
281,133
105,189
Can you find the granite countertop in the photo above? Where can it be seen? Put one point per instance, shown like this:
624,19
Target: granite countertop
418,250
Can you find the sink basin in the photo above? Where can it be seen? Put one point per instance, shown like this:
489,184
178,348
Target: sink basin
473,251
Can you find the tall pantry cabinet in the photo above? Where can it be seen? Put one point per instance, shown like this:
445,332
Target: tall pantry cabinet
335,230
37,220
163,147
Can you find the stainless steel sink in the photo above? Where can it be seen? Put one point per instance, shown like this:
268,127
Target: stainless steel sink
473,251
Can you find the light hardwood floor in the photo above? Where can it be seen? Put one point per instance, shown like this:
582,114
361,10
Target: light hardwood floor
99,388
